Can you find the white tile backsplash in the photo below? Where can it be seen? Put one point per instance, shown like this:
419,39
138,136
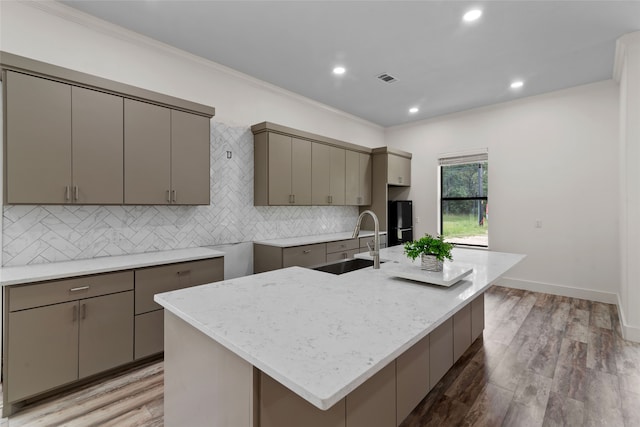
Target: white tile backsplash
43,233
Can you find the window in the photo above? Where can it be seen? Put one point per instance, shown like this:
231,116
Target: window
464,207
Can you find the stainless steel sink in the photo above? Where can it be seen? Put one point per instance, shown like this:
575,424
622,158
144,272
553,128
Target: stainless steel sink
344,266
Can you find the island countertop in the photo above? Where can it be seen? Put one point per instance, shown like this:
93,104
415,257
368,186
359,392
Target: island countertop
323,335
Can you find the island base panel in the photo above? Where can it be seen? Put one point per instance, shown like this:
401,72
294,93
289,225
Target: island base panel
204,383
412,378
280,407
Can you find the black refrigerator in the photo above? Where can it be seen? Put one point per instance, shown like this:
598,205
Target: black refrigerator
400,225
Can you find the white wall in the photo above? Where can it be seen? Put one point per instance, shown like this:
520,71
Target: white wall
53,33
628,72
551,158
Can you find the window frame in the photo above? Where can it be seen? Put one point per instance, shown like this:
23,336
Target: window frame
442,199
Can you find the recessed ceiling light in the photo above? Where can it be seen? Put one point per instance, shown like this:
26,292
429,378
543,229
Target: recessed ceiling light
517,84
339,70
472,15
414,110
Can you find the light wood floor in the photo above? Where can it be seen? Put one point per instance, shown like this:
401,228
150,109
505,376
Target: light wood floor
544,360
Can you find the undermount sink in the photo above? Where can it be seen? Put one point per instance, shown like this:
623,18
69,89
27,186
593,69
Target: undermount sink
344,266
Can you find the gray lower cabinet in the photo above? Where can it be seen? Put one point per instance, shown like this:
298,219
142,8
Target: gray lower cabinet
51,343
373,404
42,350
461,331
477,317
412,378
149,281
267,257
440,351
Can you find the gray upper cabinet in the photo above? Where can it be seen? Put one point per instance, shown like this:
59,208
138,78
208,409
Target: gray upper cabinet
398,170
358,178
283,168
328,174
293,167
38,140
97,147
190,164
64,143
147,153
166,156
75,138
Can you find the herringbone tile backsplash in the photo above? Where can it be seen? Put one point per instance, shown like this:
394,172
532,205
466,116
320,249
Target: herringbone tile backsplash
34,234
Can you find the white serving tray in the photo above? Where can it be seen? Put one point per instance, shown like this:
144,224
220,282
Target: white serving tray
450,274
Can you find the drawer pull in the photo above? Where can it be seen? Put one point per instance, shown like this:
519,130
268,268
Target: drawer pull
183,272
308,251
80,288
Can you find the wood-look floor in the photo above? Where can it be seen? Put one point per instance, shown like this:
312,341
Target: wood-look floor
544,361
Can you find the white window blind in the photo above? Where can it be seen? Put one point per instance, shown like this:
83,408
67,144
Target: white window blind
462,158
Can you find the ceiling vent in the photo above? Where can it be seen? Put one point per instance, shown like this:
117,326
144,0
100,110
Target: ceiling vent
387,78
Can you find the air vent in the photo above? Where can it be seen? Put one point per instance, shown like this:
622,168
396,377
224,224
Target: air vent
387,78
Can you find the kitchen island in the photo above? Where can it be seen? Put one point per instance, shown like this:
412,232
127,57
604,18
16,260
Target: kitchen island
302,347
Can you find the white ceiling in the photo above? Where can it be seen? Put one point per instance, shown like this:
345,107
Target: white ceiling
442,65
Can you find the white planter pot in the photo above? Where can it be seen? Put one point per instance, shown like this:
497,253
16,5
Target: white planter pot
431,263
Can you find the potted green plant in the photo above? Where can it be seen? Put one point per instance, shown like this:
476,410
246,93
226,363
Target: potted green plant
432,250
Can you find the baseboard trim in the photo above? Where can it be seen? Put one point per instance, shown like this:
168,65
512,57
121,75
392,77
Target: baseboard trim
629,333
565,291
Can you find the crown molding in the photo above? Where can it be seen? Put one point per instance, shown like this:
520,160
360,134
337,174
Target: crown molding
622,44
91,22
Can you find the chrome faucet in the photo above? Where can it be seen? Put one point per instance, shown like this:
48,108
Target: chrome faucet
375,252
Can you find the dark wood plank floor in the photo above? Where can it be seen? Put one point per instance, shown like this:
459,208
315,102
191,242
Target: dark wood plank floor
544,361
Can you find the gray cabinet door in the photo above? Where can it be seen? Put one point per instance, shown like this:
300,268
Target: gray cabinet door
352,177
320,174
373,404
279,153
440,351
147,153
38,146
398,170
412,378
461,331
365,179
42,349
301,171
149,334
97,147
337,175
190,169
106,333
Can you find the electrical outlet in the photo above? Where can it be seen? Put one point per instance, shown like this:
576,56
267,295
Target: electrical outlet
417,220
538,223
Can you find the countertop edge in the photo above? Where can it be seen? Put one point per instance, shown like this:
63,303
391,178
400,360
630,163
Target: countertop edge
60,270
310,240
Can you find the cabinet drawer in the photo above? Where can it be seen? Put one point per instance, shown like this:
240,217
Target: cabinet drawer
156,280
149,334
365,240
342,245
36,295
304,256
336,256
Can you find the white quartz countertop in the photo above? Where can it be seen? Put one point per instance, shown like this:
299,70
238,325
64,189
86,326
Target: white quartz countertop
60,270
323,335
309,240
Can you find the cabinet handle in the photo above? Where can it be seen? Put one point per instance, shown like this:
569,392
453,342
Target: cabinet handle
344,255
183,272
168,197
75,313
76,193
79,288
400,179
84,311
174,196
66,193
293,196
359,199
308,251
